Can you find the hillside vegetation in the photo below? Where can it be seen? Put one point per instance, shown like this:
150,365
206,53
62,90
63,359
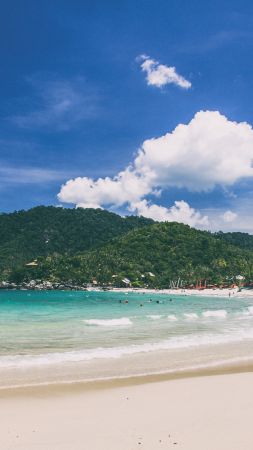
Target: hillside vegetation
241,240
149,254
42,231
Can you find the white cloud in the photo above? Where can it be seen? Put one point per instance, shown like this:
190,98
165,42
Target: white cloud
209,151
126,187
229,216
159,75
179,212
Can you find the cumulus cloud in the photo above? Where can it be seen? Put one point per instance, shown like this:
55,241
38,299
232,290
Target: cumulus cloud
209,151
126,187
229,216
179,212
159,75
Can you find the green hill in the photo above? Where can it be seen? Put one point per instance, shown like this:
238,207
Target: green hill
241,240
166,250
42,231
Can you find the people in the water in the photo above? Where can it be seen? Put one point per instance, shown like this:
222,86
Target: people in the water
149,301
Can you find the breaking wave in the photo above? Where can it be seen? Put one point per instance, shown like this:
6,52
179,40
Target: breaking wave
220,313
250,310
191,316
154,316
172,317
182,342
122,322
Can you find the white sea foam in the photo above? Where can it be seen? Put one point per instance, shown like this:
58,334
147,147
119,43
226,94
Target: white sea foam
121,322
210,364
220,313
191,316
172,317
154,316
86,355
247,313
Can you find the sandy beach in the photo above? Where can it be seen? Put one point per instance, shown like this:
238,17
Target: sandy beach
200,413
226,292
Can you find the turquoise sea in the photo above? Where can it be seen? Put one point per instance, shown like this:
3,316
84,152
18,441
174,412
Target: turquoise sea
54,336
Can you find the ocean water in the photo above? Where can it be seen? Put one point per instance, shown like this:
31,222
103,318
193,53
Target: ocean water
54,336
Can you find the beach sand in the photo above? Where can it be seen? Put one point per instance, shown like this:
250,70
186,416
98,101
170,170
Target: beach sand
226,292
198,413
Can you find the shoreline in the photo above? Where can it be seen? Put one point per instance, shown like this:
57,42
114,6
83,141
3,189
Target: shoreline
226,292
214,292
124,381
164,358
191,399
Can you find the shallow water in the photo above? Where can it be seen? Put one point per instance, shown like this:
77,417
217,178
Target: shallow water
46,336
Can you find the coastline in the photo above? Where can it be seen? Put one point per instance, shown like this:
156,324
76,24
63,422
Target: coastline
62,387
226,292
235,292
183,336
193,413
202,400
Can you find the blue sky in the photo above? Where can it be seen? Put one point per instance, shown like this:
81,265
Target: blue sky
76,102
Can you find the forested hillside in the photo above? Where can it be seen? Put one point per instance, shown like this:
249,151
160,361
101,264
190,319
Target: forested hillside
241,240
152,255
42,231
